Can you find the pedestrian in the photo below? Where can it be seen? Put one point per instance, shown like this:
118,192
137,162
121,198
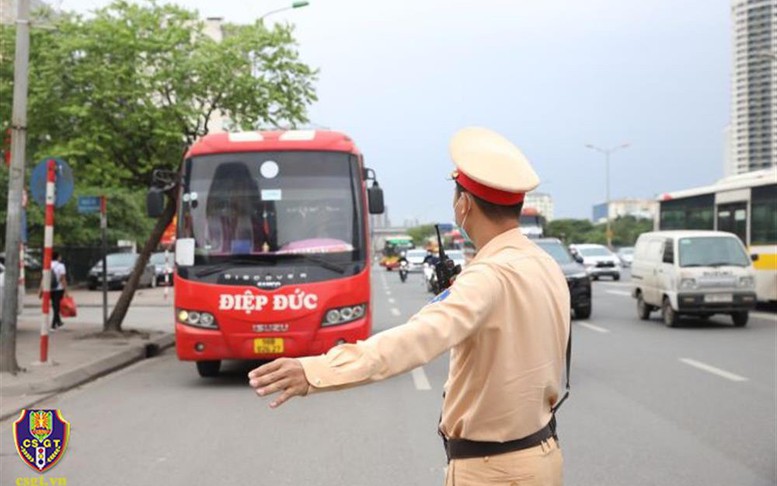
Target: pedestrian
505,319
58,287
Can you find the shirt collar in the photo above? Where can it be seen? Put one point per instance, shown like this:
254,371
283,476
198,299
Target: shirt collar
510,238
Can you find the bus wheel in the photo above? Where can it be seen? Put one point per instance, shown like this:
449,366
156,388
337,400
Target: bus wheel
208,369
740,318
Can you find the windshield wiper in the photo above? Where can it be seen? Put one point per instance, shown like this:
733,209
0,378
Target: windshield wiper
722,264
220,267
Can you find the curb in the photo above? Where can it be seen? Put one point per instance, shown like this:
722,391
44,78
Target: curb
44,389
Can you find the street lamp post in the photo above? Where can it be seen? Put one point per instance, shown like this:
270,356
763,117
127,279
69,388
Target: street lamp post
607,152
298,4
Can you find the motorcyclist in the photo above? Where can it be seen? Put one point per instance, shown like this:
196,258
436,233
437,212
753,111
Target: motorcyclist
430,258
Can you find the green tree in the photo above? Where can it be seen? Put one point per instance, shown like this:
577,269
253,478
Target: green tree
570,230
421,233
122,93
625,230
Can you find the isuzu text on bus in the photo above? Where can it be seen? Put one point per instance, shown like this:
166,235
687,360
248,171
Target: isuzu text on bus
272,246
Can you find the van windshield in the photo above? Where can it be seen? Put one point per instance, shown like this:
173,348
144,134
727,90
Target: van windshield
712,251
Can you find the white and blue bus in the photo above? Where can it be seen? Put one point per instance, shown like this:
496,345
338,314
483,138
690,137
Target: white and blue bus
745,205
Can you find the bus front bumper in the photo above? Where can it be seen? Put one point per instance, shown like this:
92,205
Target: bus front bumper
195,344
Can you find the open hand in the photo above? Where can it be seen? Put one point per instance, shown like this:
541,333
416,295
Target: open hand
284,375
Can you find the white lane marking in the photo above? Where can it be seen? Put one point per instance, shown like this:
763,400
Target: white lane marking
765,315
713,370
395,311
420,380
619,292
388,292
592,327
392,300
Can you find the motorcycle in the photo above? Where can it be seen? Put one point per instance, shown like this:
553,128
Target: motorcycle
403,270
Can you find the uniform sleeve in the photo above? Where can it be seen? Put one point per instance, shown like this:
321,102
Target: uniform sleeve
439,326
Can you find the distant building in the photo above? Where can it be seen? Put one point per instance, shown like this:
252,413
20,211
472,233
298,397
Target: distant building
540,201
639,208
754,86
728,152
214,28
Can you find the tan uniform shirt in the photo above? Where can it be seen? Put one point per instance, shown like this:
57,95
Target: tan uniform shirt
506,321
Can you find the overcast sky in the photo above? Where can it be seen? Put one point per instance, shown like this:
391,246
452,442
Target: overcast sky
402,76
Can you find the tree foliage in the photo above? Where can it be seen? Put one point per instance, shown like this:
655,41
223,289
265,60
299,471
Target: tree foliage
421,234
625,230
123,92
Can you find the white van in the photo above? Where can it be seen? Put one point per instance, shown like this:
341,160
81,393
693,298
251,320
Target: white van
693,273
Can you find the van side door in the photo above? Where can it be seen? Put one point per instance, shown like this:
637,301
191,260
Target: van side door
665,280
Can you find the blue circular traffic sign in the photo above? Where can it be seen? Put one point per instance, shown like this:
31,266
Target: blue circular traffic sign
63,186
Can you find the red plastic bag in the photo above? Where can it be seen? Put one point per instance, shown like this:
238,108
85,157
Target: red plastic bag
67,307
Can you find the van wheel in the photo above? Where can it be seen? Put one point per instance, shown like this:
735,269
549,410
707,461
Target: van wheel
643,309
208,369
740,318
616,277
671,319
582,312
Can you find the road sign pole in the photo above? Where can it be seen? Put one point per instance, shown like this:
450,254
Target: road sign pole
104,231
48,243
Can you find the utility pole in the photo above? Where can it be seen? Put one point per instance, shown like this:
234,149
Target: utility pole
15,186
607,152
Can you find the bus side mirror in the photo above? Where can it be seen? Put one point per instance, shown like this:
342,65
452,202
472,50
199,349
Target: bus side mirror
155,202
375,199
754,257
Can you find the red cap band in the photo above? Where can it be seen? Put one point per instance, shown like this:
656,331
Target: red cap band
489,194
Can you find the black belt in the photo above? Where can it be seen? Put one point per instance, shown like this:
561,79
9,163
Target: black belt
464,448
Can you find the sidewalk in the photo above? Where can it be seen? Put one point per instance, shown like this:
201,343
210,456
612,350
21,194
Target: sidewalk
77,354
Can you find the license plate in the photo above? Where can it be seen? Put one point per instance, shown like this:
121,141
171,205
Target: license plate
717,298
268,345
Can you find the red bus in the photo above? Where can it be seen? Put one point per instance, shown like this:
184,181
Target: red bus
272,246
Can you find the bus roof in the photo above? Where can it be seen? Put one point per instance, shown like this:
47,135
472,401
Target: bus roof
751,179
272,141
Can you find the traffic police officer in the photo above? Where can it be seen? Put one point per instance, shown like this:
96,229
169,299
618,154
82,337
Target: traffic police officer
505,320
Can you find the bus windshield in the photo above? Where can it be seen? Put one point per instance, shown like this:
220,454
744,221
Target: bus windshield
267,204
712,252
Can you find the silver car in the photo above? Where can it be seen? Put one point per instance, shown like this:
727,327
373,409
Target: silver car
599,261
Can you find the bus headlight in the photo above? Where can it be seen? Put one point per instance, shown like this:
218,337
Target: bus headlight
342,315
746,282
688,284
194,318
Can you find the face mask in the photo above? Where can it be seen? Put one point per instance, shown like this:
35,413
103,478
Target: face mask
461,226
